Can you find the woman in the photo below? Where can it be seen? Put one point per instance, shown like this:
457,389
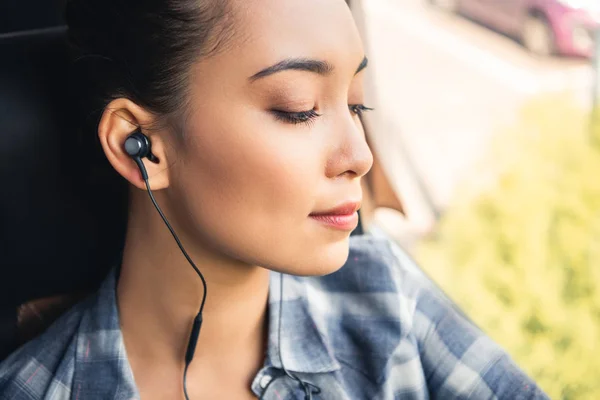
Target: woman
252,113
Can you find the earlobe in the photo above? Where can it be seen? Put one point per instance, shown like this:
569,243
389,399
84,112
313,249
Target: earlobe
120,119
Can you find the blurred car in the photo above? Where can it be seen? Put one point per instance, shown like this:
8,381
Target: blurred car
544,27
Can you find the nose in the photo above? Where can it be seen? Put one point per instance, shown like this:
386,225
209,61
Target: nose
352,156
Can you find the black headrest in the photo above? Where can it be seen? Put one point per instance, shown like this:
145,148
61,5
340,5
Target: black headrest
62,213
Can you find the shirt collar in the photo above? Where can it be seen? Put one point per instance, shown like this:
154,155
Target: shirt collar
302,345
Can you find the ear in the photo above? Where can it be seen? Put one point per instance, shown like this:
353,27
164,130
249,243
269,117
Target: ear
121,118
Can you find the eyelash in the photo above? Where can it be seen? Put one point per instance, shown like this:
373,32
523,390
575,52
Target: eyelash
307,117
359,109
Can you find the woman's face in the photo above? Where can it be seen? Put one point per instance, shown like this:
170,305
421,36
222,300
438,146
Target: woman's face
273,138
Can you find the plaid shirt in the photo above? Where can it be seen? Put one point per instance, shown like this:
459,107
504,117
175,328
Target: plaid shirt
376,329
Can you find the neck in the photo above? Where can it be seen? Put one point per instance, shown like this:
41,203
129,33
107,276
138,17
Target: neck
159,294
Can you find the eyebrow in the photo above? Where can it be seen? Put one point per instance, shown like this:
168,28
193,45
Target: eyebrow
363,65
319,67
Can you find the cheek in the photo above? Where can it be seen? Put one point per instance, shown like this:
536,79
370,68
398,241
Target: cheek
245,187
251,174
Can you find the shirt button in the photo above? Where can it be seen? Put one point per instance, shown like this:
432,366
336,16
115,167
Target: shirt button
265,380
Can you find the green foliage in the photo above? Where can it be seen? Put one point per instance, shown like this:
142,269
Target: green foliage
522,254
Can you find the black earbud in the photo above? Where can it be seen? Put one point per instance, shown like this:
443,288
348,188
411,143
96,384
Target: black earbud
137,146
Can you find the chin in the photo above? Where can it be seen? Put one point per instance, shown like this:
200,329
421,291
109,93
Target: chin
324,259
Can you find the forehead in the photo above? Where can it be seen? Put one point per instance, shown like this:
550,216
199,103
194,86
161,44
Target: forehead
270,30
265,32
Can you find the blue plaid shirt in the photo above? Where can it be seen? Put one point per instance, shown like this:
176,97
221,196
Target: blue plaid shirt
376,329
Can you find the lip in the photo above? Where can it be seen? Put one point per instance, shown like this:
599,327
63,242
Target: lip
343,217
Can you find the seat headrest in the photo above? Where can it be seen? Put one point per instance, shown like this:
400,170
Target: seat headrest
62,213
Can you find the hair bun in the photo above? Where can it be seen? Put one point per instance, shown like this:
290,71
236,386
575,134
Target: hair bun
140,49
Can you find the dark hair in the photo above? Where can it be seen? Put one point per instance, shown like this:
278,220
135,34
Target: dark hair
142,50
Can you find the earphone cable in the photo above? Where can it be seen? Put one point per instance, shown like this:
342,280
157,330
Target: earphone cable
185,382
198,320
178,244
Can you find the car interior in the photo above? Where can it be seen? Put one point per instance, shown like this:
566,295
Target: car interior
62,213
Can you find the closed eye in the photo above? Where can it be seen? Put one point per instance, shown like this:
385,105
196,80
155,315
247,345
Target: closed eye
296,117
306,117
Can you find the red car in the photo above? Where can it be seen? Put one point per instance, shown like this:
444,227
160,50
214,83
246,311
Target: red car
545,27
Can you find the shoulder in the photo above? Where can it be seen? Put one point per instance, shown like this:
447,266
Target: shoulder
378,268
369,284
367,308
378,281
379,264
433,346
45,365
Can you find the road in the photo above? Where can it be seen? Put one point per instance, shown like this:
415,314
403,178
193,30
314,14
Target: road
446,84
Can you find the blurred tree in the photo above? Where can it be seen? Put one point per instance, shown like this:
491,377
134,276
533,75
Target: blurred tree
522,255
